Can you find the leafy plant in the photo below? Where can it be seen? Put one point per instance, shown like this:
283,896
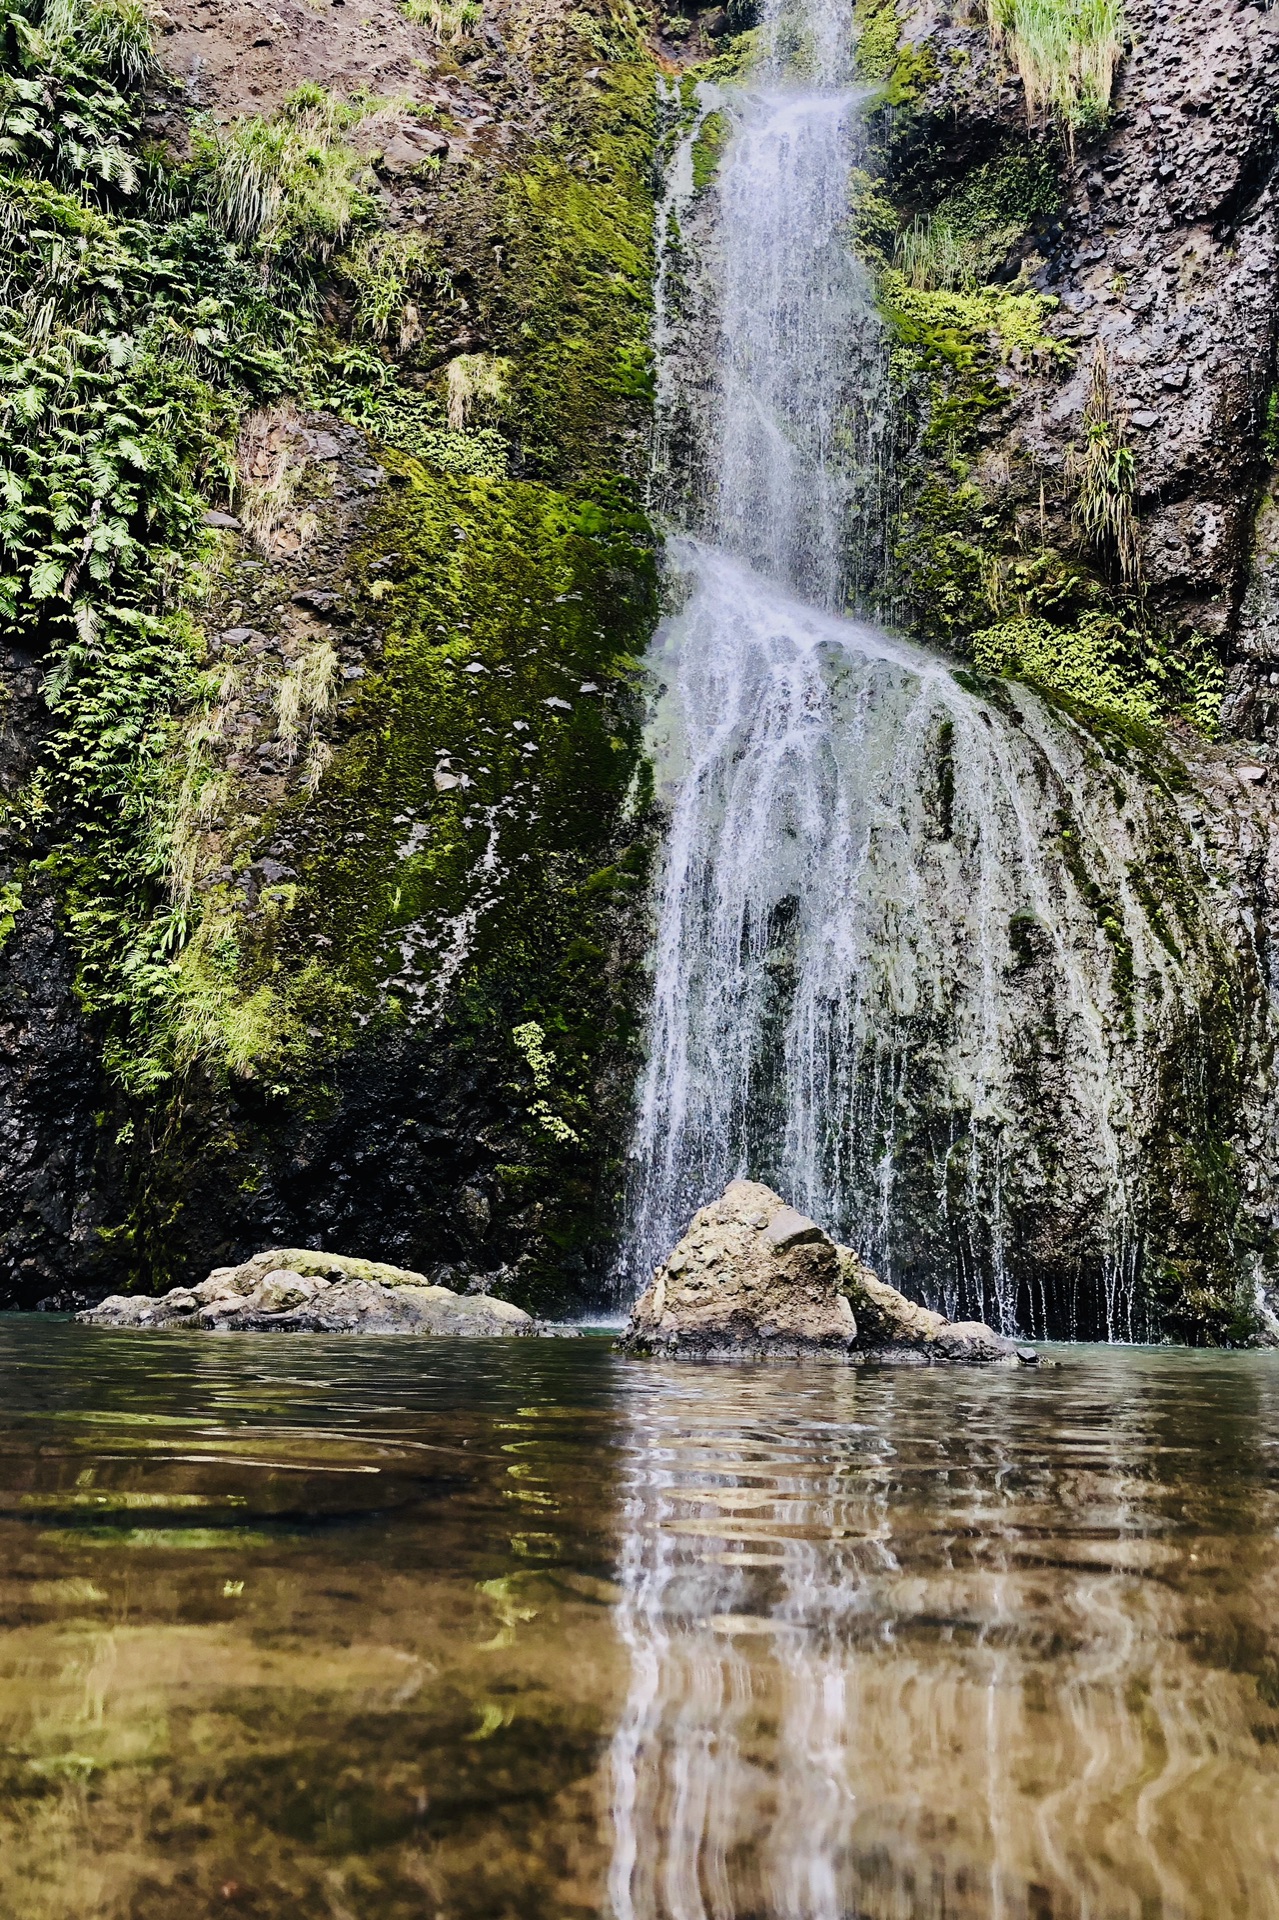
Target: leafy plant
390,273
290,185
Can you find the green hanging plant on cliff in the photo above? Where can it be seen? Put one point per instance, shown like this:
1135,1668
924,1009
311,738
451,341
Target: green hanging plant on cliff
1105,473
1066,52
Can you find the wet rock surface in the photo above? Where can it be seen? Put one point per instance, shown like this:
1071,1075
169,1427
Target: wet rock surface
753,1278
295,1290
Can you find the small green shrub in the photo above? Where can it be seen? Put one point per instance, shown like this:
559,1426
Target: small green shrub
1090,663
390,274
1106,474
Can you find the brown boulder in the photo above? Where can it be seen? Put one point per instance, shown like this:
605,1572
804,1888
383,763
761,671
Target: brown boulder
753,1277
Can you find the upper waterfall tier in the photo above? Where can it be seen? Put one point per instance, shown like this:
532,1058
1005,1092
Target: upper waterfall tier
770,444
793,298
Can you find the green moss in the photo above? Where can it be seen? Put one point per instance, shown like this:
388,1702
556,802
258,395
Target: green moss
576,294
460,870
708,147
900,72
963,329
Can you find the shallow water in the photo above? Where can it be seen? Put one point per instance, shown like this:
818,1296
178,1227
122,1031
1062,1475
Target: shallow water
339,1628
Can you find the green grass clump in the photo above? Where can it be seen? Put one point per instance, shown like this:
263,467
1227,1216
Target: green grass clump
448,19
289,185
1066,51
392,275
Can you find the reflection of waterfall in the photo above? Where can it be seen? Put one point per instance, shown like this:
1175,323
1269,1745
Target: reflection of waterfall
912,1646
910,965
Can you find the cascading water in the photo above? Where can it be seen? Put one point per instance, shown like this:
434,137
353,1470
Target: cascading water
907,967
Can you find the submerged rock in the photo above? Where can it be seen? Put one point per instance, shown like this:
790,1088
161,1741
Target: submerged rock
294,1290
753,1277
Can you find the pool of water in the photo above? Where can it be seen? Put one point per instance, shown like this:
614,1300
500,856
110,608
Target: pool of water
360,1629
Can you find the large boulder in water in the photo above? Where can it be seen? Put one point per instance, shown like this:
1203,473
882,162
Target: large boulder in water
295,1290
754,1278
751,1276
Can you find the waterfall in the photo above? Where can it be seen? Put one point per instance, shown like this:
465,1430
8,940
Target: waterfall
907,965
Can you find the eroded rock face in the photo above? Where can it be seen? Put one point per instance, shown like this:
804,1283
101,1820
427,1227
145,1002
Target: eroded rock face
754,1278
294,1290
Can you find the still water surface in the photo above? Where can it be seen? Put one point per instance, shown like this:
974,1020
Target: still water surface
360,1629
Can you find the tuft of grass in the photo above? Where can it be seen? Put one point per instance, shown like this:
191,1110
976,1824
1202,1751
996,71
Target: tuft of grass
931,256
1066,51
305,692
472,377
269,465
447,19
1105,472
291,185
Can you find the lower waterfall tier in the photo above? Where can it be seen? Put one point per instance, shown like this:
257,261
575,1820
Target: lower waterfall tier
943,965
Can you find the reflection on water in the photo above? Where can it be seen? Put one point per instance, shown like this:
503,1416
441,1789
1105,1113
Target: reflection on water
915,1644
396,1628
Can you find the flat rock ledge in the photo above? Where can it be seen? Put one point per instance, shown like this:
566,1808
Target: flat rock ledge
293,1290
754,1279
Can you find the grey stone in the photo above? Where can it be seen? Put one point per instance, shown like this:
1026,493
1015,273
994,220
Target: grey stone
787,1229
298,1290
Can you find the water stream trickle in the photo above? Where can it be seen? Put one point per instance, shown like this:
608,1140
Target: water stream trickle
904,969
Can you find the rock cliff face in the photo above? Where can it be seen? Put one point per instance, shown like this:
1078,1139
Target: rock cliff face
326,820
1086,502
1162,251
318,916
